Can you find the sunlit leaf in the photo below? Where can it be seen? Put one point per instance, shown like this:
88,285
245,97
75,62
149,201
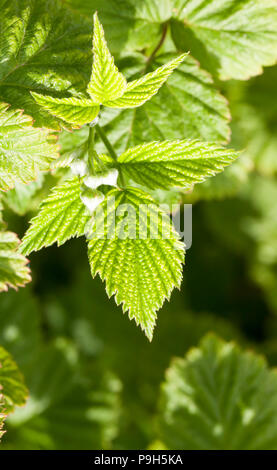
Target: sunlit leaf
24,150
140,260
62,216
174,163
106,81
234,38
76,111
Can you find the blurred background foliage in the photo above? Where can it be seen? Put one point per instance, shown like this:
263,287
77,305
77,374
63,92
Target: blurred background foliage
94,379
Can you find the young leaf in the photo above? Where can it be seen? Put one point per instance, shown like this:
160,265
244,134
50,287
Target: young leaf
76,111
174,163
142,265
234,39
43,48
106,82
62,216
24,150
219,397
141,90
13,269
187,106
12,385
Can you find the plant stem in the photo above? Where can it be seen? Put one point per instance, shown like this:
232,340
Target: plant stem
106,142
159,45
111,151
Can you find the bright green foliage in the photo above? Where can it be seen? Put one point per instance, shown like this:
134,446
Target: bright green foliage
219,397
174,163
12,388
76,111
234,38
107,86
140,266
141,90
187,106
62,216
106,81
43,48
154,165
24,150
13,269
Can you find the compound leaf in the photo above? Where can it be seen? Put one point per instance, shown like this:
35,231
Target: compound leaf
174,163
141,265
141,90
219,397
106,82
76,111
24,150
234,38
188,105
62,216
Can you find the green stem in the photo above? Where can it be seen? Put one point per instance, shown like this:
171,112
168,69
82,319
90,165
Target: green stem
111,151
106,142
159,45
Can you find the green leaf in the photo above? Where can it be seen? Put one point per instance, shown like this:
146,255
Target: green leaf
13,270
45,49
12,385
141,90
128,24
174,163
219,397
187,106
106,82
224,185
24,150
22,198
234,39
62,216
65,407
76,111
139,270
